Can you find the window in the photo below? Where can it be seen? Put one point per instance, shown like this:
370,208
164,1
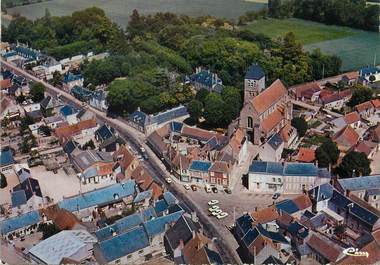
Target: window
141,251
250,122
212,173
374,197
274,179
258,185
279,179
251,83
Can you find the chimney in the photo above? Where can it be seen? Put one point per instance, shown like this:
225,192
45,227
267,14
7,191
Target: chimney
181,244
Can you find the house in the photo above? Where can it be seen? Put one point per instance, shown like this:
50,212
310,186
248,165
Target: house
236,147
272,149
367,73
288,135
49,103
53,122
368,148
71,80
288,177
6,160
111,144
84,203
365,109
198,251
207,80
265,111
85,114
332,101
9,109
324,250
220,173
27,194
125,161
199,171
50,66
76,245
78,130
98,100
93,166
26,52
148,123
365,188
5,83
69,114
353,119
103,133
305,155
20,225
307,91
346,138
81,93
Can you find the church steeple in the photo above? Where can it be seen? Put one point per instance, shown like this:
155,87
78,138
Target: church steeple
254,82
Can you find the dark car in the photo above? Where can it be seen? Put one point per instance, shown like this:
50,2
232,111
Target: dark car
276,196
214,189
228,190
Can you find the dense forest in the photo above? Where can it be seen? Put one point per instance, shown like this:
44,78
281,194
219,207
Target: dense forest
155,52
351,13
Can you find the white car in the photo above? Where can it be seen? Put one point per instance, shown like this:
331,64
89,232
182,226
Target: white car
168,180
216,212
222,215
214,208
186,186
213,202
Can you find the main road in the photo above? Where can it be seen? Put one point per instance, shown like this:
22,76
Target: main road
153,164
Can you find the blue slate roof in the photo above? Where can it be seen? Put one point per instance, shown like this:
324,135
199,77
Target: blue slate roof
339,200
157,225
213,256
176,126
6,157
250,236
14,223
70,77
9,54
369,70
18,198
254,72
124,244
206,78
169,198
288,169
149,213
322,192
287,206
275,141
69,147
244,222
160,206
170,114
67,110
308,214
198,165
27,52
104,132
212,143
97,197
143,196
7,74
297,229
139,117
363,214
360,183
253,233
81,93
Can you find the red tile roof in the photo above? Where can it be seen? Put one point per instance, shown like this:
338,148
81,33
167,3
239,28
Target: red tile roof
347,93
330,98
265,215
303,202
272,120
157,190
197,133
373,249
306,155
71,130
220,166
324,247
366,147
364,106
287,131
352,117
302,88
125,157
346,137
269,96
5,83
376,103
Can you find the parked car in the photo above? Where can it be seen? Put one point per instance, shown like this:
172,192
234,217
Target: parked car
214,189
213,202
222,215
214,208
228,190
207,188
186,186
194,187
216,212
276,196
168,180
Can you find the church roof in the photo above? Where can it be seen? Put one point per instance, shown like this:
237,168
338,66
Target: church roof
254,72
269,96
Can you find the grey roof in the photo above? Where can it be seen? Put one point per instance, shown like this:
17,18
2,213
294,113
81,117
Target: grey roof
31,187
112,140
170,114
275,141
287,169
24,220
170,198
18,198
360,183
64,244
23,174
143,196
373,192
99,196
52,119
85,159
272,261
104,132
254,72
182,230
157,225
6,157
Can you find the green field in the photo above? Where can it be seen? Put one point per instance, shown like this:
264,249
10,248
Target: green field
306,32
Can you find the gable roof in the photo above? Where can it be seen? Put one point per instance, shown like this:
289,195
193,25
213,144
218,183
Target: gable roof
325,247
198,165
68,110
104,132
30,186
346,137
265,215
360,183
6,157
269,96
351,117
306,155
71,130
364,106
182,230
20,221
18,198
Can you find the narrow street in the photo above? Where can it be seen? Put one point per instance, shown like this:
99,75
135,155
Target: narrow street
153,164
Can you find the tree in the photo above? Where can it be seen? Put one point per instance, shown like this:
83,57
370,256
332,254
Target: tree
3,181
48,230
301,125
45,130
20,99
195,108
339,230
5,122
214,110
354,163
201,95
57,78
327,154
37,92
90,144
361,94
232,103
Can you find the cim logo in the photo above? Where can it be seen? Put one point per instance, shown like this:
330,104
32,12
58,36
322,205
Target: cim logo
355,252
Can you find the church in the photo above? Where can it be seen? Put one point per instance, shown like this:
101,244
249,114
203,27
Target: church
266,111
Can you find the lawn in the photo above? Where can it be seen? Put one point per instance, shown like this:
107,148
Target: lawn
306,32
